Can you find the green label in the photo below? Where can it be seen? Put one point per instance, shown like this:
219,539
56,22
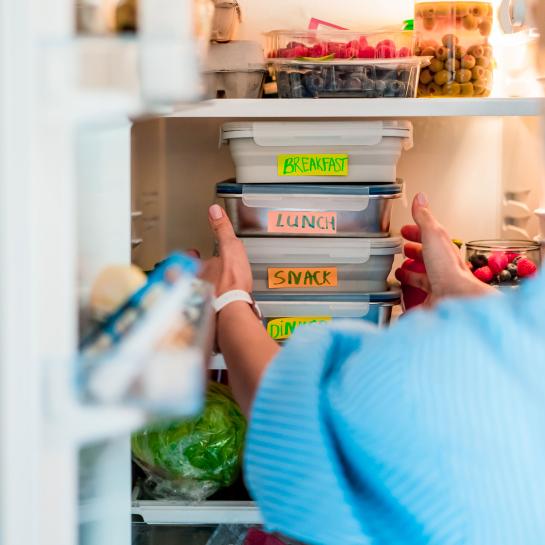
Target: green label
313,165
282,328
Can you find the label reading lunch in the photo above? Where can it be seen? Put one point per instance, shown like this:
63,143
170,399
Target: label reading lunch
324,223
282,328
302,278
326,164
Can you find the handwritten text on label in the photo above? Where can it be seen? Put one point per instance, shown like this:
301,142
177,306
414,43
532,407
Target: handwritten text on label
282,328
304,278
313,165
302,222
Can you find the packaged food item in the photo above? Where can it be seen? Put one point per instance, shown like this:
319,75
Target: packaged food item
284,313
457,37
227,16
235,70
317,151
193,459
387,78
313,210
503,263
338,44
305,265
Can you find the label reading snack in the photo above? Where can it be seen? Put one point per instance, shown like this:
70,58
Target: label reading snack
326,164
302,278
316,223
282,328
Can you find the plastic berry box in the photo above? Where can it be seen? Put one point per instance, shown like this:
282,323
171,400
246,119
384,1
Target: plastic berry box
387,78
339,44
503,263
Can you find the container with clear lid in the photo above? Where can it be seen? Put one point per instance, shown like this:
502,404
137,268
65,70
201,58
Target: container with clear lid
456,36
312,210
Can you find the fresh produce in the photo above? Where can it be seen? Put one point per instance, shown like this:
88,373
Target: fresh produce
456,36
192,459
497,264
375,80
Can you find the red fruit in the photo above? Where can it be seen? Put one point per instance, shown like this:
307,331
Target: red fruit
283,53
291,53
343,52
404,52
354,43
362,42
387,43
413,297
511,256
386,52
367,52
333,47
526,268
484,274
497,262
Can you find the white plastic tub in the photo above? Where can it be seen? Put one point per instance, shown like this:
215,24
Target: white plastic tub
302,265
317,151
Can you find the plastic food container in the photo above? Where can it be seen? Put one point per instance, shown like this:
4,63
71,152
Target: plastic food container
504,263
387,78
301,265
317,152
283,313
339,44
456,35
226,20
313,210
235,70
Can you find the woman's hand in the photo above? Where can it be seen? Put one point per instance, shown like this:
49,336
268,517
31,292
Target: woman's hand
445,274
231,270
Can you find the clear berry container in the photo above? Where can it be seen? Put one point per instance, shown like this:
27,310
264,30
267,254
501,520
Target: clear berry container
339,44
503,263
456,35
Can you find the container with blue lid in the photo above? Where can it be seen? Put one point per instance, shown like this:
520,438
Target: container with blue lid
283,313
310,210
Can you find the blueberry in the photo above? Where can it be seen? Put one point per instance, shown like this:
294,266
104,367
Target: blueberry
314,83
296,85
353,83
380,88
505,276
478,261
386,74
395,88
513,269
339,83
329,78
283,84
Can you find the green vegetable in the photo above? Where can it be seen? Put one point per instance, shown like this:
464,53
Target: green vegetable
192,459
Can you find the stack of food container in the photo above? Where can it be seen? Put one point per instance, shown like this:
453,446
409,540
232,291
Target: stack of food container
312,203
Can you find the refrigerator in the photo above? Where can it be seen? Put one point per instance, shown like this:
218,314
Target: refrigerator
109,155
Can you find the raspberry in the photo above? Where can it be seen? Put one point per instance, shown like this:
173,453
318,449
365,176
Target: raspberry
367,52
498,262
526,268
386,51
484,274
511,256
363,42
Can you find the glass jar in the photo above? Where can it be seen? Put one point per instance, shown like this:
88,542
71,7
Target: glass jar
503,263
455,35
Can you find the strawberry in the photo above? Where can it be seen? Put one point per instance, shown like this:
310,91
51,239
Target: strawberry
367,52
413,297
404,52
484,274
386,51
362,42
497,262
511,256
526,268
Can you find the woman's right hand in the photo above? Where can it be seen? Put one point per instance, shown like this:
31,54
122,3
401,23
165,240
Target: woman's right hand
446,274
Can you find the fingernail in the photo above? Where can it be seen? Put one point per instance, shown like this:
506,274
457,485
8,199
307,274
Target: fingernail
422,199
215,212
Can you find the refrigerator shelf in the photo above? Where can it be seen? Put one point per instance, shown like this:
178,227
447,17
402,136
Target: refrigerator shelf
190,514
364,107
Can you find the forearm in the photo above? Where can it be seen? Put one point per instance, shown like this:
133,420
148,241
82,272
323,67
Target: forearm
247,349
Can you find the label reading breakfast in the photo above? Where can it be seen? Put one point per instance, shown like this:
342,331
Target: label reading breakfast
302,278
324,223
313,165
282,328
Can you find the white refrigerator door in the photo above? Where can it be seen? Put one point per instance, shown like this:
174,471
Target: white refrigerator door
65,211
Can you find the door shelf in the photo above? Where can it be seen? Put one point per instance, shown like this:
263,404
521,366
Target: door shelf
188,514
363,108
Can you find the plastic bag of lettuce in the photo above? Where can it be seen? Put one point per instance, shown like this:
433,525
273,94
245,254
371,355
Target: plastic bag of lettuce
192,459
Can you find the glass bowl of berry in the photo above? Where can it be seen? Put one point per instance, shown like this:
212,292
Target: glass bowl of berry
503,263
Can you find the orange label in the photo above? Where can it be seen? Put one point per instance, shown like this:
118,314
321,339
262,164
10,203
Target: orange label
281,221
302,277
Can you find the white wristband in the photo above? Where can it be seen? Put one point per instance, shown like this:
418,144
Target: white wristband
234,296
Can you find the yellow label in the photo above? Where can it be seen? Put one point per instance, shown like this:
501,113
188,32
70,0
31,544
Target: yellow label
302,278
326,164
282,328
